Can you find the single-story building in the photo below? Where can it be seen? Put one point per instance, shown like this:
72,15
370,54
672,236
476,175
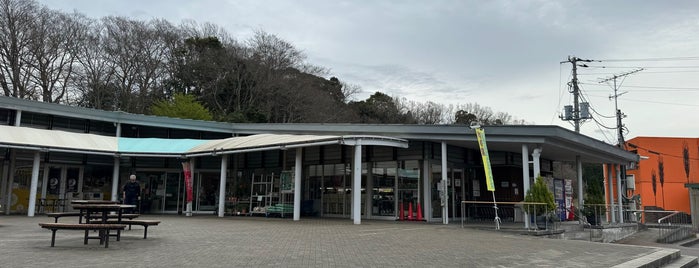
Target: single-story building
53,152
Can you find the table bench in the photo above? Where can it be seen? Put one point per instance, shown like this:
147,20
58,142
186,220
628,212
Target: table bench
53,226
57,215
144,223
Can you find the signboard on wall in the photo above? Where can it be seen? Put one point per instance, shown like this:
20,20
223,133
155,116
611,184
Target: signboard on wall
286,181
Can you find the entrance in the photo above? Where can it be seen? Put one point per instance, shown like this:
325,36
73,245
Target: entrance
383,194
60,185
206,191
159,192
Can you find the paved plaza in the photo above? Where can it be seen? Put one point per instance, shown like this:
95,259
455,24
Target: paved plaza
209,241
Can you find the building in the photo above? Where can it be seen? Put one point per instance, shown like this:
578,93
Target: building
363,171
667,175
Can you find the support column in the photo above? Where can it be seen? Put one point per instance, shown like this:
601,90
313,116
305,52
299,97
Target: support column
537,162
445,188
357,183
427,192
618,190
10,181
581,197
11,170
525,179
115,179
610,186
34,184
222,187
297,184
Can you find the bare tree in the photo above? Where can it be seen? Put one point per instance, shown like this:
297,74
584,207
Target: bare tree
95,73
54,57
16,23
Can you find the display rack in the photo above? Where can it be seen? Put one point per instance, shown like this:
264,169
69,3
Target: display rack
263,193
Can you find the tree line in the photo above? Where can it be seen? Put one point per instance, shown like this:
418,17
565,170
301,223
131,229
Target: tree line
190,70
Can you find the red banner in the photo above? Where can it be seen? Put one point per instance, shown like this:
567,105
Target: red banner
187,180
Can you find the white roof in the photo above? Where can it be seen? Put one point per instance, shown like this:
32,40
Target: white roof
57,140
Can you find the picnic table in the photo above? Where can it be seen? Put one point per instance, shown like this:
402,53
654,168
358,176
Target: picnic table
88,210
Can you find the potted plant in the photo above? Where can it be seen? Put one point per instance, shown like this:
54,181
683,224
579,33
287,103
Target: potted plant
594,206
539,193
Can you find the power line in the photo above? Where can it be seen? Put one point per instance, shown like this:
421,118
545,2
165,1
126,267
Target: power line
653,59
657,87
656,102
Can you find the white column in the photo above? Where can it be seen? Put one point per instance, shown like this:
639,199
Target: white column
115,170
581,197
115,180
10,181
427,192
618,190
11,170
297,184
222,186
537,162
445,188
34,184
610,185
525,179
357,183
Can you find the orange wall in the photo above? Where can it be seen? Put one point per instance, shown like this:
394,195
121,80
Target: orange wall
671,194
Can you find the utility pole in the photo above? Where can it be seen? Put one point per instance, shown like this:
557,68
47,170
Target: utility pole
620,132
619,114
575,116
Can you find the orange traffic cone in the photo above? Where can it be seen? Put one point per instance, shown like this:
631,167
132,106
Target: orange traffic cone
419,212
410,211
401,213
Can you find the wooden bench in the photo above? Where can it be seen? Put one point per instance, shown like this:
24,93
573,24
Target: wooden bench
57,215
144,223
83,226
114,216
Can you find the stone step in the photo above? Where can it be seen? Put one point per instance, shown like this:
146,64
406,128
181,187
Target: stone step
658,258
683,262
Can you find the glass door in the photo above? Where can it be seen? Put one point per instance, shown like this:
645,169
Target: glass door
383,194
456,192
206,191
171,200
408,186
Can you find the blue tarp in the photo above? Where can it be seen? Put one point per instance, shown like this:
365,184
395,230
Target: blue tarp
156,145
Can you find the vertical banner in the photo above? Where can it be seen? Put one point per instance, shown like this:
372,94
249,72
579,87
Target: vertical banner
187,180
480,134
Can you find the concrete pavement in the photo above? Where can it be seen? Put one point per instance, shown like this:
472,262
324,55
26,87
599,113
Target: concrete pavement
209,241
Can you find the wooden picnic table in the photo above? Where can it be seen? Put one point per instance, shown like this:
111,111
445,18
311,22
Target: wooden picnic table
87,210
83,202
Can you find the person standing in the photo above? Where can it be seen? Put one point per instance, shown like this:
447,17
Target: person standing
131,192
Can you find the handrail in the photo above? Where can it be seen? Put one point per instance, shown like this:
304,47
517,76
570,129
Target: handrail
667,217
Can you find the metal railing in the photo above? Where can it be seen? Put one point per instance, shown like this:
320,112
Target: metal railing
510,211
672,225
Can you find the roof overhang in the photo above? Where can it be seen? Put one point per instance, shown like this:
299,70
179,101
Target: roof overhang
63,141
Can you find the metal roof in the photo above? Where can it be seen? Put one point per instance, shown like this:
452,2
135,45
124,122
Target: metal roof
557,143
63,141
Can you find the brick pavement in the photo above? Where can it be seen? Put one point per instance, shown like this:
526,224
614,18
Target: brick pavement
208,241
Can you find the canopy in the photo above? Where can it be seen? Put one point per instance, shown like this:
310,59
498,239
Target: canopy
64,141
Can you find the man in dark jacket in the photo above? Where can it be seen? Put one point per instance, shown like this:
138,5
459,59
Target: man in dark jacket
131,191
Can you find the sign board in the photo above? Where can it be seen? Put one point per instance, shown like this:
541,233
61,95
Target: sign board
286,181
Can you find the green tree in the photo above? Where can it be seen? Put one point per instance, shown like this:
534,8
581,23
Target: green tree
539,193
181,106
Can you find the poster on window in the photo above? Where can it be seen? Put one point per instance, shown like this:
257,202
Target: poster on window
287,182
54,184
72,185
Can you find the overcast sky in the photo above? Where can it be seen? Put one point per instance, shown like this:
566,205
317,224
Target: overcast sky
502,54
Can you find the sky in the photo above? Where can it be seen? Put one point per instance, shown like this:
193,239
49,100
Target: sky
509,55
